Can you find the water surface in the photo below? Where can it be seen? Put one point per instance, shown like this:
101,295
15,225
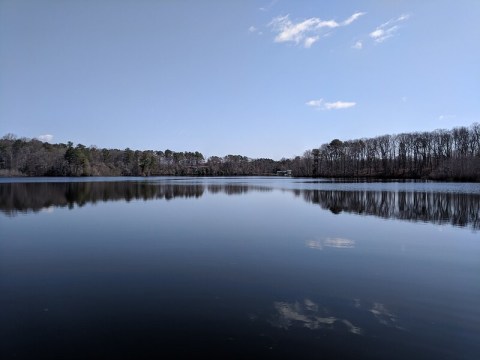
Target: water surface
238,268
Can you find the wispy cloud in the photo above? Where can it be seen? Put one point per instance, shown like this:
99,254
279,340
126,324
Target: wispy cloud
305,32
268,6
388,29
315,103
45,138
309,41
323,105
254,30
358,45
352,18
289,31
447,117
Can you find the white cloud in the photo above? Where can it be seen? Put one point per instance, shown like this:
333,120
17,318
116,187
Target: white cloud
388,29
358,45
447,117
380,35
315,103
305,32
45,138
288,31
267,7
309,41
352,18
321,104
254,30
339,105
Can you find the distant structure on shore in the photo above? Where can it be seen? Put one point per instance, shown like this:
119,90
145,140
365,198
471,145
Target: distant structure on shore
284,173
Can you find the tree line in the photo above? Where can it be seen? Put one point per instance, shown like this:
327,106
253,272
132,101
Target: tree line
31,157
440,155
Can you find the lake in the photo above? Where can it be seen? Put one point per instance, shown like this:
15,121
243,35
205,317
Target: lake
273,267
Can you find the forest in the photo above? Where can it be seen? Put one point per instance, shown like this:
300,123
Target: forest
452,155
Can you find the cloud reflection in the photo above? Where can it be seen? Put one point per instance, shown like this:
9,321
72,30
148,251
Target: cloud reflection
308,314
383,315
339,243
313,316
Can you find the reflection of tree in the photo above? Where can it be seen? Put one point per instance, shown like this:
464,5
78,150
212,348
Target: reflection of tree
235,189
455,208
36,196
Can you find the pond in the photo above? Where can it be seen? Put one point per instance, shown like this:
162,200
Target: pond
262,267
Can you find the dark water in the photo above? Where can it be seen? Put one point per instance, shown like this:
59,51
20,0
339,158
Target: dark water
238,268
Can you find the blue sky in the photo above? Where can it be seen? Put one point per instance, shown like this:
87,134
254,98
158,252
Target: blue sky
257,78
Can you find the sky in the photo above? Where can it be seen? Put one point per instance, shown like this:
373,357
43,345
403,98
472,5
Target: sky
260,78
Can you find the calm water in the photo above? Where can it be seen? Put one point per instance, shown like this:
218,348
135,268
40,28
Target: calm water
238,268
